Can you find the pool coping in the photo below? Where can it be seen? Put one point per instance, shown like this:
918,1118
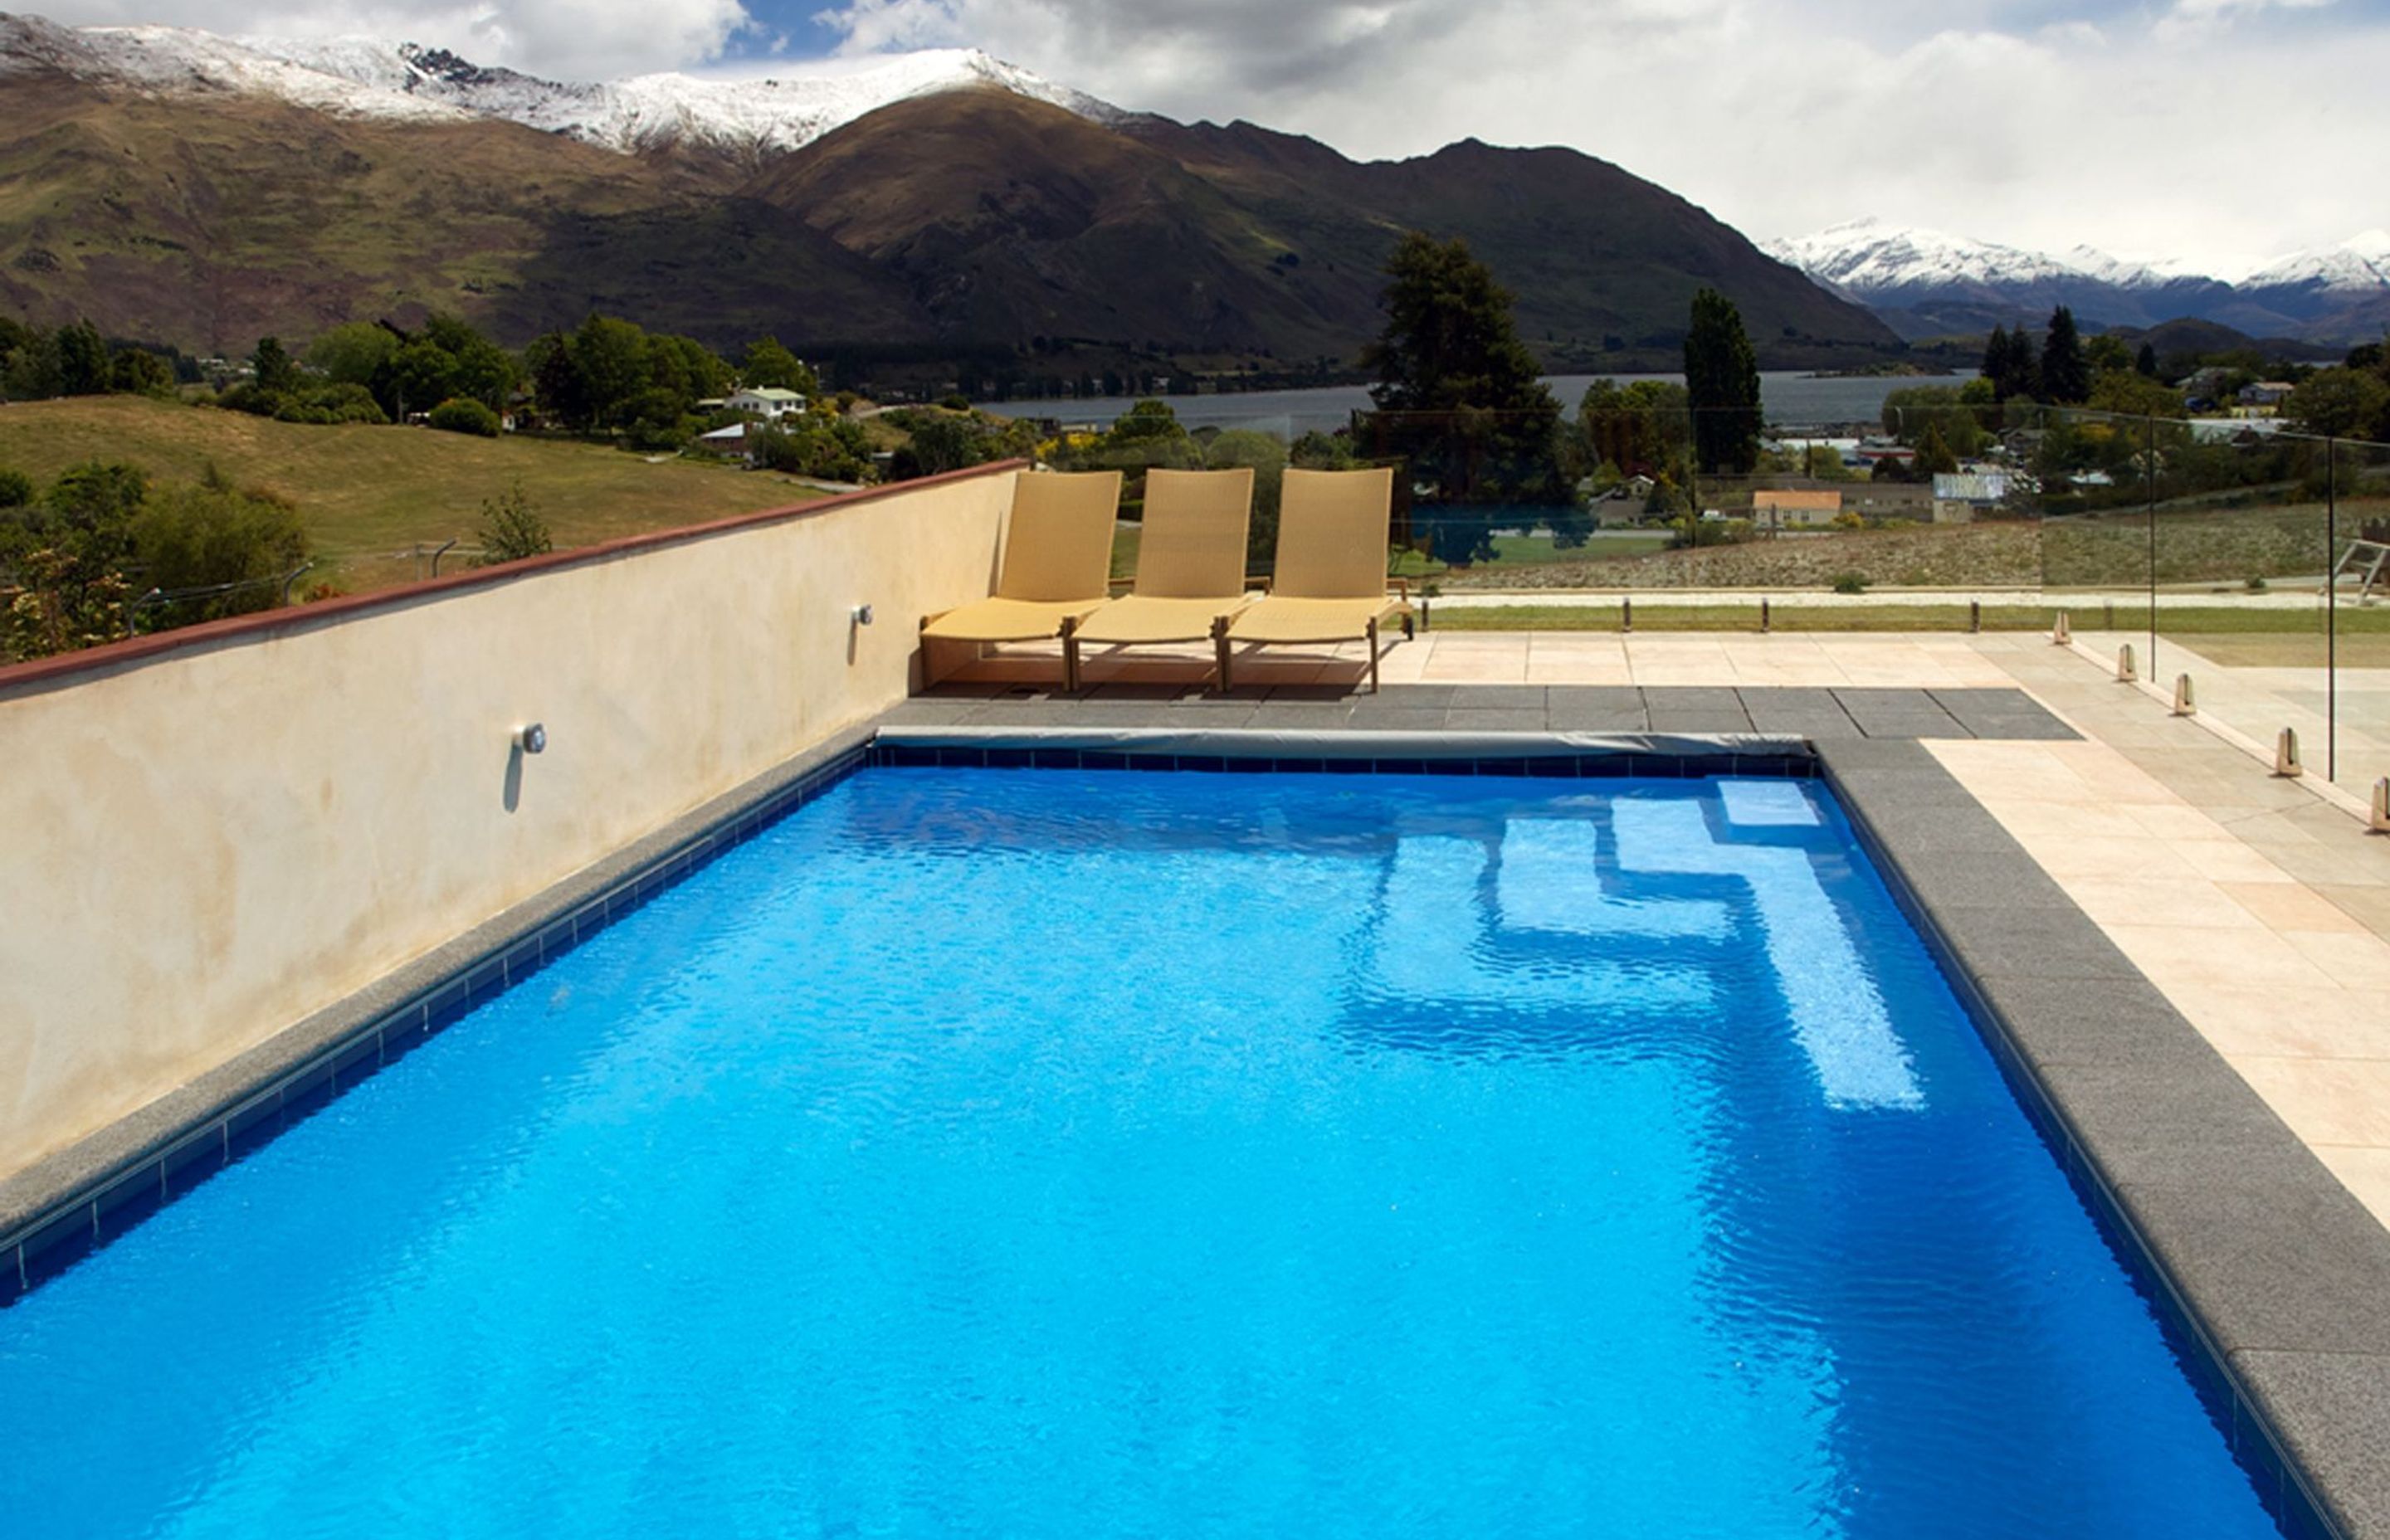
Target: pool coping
2275,1278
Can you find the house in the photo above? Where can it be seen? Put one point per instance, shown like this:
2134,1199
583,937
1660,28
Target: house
1788,508
731,441
768,402
2266,392
1959,498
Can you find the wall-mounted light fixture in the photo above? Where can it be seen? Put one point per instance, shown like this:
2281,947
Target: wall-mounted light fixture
531,737
860,614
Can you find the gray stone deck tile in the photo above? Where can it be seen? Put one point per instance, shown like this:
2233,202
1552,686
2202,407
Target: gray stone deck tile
1693,719
1470,719
1516,698
2184,1119
2120,1023
2053,944
2337,1423
2273,1265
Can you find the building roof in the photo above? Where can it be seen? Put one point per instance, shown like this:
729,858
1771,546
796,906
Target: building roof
1791,497
1970,487
771,392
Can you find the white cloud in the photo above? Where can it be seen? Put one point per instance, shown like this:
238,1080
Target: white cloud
2220,127
2182,129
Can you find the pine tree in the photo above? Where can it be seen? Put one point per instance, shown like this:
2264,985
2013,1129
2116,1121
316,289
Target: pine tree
1722,377
2148,361
2065,378
1996,358
1459,396
1933,456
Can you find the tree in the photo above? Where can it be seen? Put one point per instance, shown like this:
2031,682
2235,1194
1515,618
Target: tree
16,488
1266,454
2106,352
1459,395
766,362
461,415
940,442
2340,403
511,529
611,358
214,535
51,606
2129,392
136,371
276,373
354,354
1643,429
68,551
2065,373
82,360
2010,365
1933,456
1722,378
2147,363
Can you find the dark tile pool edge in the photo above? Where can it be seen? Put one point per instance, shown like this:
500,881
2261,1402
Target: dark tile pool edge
59,1208
2270,1274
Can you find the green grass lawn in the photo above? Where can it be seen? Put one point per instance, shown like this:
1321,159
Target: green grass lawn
369,494
2235,637
1511,551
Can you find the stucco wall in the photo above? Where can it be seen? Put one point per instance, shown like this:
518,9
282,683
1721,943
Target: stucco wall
200,846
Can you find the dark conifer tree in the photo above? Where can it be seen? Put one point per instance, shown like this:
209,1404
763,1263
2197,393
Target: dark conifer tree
2066,377
1722,377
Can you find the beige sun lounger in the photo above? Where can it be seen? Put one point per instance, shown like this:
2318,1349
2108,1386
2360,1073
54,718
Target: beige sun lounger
1330,585
1190,566
1056,567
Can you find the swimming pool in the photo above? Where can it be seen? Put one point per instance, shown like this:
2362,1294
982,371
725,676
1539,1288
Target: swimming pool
1053,1152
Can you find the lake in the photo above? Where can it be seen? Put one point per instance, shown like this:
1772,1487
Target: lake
1791,398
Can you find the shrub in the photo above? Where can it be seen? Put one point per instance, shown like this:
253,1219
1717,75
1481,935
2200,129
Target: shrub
16,489
1850,582
510,530
458,415
215,535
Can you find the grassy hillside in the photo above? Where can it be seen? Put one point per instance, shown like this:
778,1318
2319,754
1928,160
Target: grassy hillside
369,495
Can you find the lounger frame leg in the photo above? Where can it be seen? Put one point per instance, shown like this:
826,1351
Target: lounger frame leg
1071,656
1220,652
1373,655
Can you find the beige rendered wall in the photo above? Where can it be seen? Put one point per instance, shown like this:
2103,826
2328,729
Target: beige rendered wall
201,848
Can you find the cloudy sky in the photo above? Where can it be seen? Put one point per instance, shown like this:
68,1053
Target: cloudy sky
2213,133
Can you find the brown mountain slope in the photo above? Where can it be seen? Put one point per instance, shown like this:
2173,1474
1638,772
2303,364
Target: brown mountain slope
209,221
1013,219
967,220
1594,253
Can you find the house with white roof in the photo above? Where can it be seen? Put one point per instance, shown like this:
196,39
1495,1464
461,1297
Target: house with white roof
769,401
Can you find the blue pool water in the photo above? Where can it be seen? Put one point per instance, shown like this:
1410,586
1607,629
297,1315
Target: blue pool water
1042,1153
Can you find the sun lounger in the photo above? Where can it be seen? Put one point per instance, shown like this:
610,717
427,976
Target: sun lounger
1190,566
1330,584
1057,565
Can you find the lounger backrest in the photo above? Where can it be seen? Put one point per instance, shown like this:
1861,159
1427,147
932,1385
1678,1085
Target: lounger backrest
1194,546
1059,544
1332,527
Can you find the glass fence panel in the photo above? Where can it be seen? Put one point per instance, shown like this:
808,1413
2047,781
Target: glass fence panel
2357,688
2241,549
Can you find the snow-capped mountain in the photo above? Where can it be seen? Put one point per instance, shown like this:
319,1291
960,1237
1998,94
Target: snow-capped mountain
1925,281
368,78
2357,266
1869,259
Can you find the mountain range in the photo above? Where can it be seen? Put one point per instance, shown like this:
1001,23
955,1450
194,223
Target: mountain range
1924,283
185,187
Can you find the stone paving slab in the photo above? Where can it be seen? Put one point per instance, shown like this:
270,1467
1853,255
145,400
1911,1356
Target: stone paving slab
1810,712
